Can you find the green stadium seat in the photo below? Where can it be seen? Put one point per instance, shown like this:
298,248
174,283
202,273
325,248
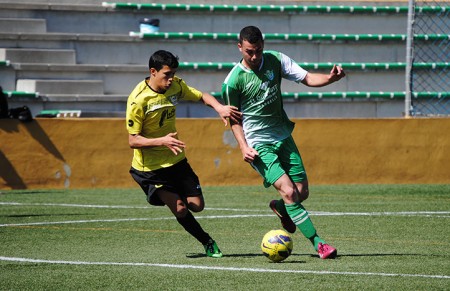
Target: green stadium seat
5,63
16,94
59,113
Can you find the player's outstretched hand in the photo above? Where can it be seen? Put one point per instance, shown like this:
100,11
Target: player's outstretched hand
231,112
173,143
337,73
249,154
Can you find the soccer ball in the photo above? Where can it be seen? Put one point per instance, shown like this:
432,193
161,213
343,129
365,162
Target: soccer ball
277,245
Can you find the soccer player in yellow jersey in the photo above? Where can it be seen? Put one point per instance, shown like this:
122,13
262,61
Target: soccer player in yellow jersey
159,163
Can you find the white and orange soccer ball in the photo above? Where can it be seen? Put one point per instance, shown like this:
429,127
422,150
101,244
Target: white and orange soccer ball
277,245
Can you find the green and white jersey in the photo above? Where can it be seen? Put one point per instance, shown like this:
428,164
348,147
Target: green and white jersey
257,94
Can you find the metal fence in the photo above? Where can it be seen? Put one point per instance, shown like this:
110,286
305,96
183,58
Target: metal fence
436,80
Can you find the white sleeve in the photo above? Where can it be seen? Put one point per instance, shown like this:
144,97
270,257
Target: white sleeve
291,70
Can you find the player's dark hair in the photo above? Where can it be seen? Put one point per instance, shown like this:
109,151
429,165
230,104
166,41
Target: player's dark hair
252,34
162,58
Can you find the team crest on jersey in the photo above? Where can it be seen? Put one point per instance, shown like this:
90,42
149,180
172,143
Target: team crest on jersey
173,99
269,75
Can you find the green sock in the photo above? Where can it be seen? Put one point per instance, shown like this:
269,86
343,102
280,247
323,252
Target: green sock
300,217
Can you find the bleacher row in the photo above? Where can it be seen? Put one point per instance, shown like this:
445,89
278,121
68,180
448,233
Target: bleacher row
285,36
271,8
86,60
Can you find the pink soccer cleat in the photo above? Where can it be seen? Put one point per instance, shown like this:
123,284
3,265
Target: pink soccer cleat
326,251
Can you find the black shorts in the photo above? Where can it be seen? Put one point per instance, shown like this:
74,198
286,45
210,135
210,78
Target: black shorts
179,179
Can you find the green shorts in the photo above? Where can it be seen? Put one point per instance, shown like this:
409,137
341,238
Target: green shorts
277,159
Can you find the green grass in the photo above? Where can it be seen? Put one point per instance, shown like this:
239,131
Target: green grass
389,237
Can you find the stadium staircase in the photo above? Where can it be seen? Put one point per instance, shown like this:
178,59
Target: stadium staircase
79,59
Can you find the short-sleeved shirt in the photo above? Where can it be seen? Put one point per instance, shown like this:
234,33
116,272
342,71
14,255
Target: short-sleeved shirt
257,94
152,115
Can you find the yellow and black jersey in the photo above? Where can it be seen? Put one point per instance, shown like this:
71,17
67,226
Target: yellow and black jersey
152,115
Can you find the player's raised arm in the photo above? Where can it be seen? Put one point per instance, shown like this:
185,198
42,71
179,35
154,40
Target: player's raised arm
320,80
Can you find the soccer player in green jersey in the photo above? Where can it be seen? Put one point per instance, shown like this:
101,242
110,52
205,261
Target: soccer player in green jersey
159,163
264,134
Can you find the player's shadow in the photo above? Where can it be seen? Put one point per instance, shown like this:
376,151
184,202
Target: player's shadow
375,255
200,255
9,173
385,255
294,258
42,215
249,255
28,192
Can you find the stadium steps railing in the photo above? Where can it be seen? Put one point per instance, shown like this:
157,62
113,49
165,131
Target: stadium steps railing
288,36
286,95
217,66
270,8
104,71
326,66
355,95
111,85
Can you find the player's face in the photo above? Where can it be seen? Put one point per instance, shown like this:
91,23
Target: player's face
251,54
162,79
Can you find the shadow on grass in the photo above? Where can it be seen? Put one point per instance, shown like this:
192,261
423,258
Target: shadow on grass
385,255
290,260
293,260
195,256
32,192
41,215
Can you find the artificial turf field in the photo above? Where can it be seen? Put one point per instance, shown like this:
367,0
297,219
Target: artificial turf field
389,237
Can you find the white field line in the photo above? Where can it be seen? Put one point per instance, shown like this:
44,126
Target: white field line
444,214
109,206
317,213
129,219
211,217
259,270
69,205
209,268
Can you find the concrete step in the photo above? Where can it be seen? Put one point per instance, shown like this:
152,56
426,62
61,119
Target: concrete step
93,105
122,79
305,18
32,55
115,106
322,18
24,25
98,19
60,86
109,49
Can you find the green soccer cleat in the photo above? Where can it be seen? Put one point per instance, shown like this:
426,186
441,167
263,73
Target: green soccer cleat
212,250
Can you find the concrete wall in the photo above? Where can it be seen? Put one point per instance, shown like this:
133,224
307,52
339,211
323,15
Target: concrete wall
89,153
